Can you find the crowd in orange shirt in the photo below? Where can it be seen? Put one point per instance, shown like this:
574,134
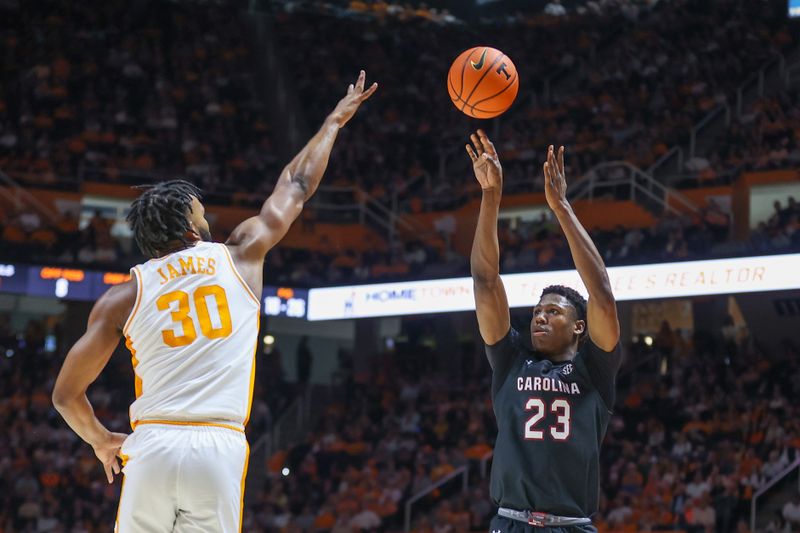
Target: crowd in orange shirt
390,435
525,246
147,101
630,96
686,448
766,137
114,93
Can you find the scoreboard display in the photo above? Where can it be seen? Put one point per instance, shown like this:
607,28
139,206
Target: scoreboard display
58,282
14,279
89,285
285,301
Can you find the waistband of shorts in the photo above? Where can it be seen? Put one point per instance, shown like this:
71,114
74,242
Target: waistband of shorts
233,426
535,519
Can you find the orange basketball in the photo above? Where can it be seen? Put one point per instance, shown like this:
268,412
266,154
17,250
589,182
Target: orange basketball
482,82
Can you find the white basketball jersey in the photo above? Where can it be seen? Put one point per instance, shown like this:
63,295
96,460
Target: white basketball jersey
192,336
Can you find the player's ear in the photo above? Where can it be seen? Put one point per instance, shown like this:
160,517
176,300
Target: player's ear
193,232
580,327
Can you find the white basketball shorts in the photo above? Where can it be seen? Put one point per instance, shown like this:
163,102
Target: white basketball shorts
182,479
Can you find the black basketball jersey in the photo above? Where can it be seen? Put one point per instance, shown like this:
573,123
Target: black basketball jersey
551,419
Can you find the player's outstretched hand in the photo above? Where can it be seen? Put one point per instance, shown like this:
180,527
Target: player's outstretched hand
348,105
485,162
555,181
107,451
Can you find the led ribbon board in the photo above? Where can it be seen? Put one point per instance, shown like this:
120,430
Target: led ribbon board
640,282
88,285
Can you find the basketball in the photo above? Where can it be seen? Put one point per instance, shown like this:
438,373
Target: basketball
483,82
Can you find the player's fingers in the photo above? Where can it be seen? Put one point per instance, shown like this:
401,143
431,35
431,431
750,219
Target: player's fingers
366,94
487,144
360,82
109,474
350,89
477,142
561,160
546,173
471,153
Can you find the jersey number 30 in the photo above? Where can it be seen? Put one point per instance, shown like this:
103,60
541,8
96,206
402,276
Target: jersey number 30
181,316
559,431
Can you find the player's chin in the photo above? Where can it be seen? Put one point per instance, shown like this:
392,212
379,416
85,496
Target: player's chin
540,341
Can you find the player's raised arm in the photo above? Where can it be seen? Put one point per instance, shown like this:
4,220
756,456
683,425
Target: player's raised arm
83,364
254,237
601,307
491,302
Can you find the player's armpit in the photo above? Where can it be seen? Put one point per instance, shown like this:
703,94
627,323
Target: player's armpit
491,307
603,366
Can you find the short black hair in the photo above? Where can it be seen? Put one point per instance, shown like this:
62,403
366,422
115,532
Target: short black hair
159,216
573,296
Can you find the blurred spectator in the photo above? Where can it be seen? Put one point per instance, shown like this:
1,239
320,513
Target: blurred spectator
555,9
791,512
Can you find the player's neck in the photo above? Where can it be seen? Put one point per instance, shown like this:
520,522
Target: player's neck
177,247
563,357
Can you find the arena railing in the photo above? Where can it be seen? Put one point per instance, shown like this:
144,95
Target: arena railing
484,463
361,207
705,123
18,195
460,471
753,87
791,76
660,165
260,452
642,188
709,125
757,80
691,180
291,424
769,484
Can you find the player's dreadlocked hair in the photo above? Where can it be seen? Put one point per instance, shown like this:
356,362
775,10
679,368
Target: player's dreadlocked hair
574,297
159,216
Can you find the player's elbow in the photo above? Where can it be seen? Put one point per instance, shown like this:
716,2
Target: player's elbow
484,270
278,218
61,398
485,279
302,183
